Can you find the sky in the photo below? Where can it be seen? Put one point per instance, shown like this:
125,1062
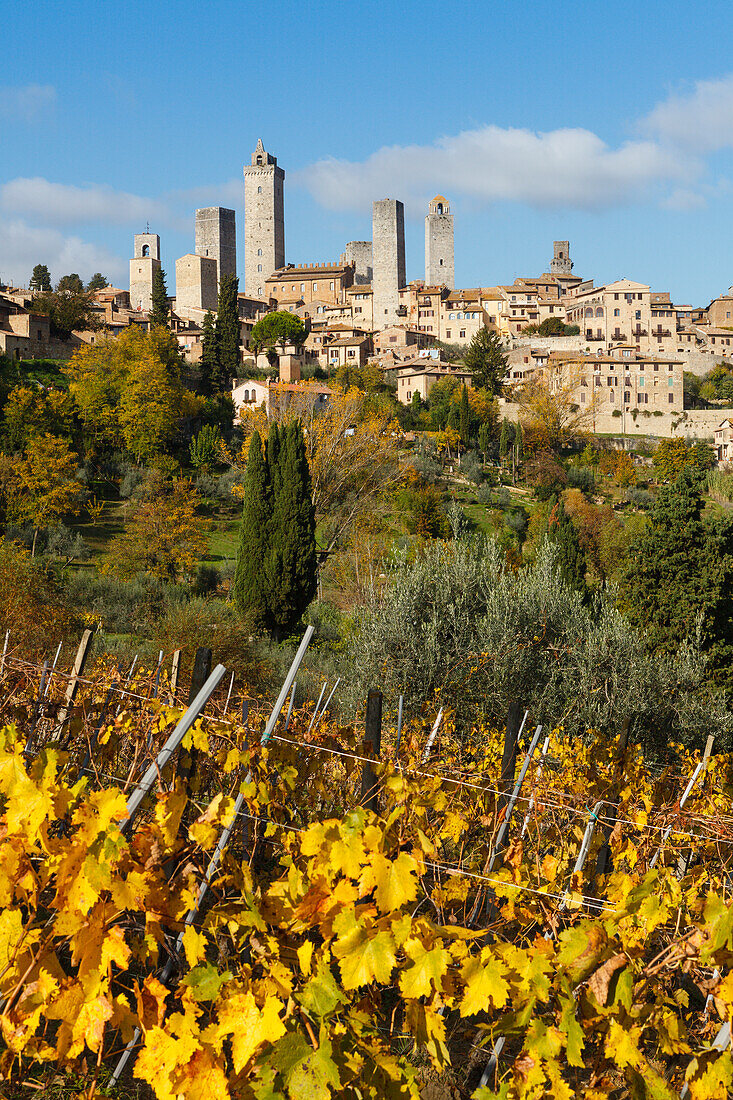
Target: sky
609,124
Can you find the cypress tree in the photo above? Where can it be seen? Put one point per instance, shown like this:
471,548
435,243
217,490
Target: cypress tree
208,355
227,333
293,550
454,417
506,438
571,559
250,581
464,418
159,312
484,438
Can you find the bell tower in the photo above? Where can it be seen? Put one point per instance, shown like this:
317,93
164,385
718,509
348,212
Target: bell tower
264,221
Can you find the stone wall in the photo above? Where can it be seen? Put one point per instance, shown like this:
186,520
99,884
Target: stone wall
388,252
264,225
439,257
359,253
216,237
690,424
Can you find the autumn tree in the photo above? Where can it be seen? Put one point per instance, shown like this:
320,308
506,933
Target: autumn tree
30,411
129,392
44,488
464,425
552,411
164,537
486,358
29,607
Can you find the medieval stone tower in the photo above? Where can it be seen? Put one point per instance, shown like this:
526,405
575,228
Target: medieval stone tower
388,260
561,263
264,221
439,263
359,253
142,268
216,237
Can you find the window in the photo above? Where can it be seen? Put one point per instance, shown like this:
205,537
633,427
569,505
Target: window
146,250
610,396
670,398
357,309
259,267
641,382
627,397
670,381
330,287
259,190
259,251
582,399
447,334
638,315
315,286
351,353
617,312
462,334
302,288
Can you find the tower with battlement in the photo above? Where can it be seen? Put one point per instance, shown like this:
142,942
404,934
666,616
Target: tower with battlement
359,253
216,238
264,220
439,261
561,263
146,258
388,260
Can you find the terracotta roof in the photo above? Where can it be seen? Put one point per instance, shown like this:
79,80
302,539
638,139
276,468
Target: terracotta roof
345,341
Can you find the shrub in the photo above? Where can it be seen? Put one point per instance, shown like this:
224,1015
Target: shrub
640,498
188,624
581,477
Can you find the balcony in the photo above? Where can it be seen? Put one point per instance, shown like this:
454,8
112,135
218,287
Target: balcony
661,332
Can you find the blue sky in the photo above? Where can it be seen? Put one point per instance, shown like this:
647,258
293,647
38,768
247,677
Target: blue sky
610,124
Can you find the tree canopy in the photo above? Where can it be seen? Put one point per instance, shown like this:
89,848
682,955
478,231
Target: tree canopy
97,282
68,310
279,327
40,279
160,310
486,358
227,331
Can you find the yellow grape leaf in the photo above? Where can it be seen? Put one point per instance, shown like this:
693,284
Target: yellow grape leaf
115,949
427,970
168,813
194,945
89,1025
483,984
160,1058
394,881
305,954
428,1028
11,929
365,956
248,1026
621,1046
206,828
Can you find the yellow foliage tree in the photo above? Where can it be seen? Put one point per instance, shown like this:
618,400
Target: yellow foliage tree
164,537
42,487
552,411
29,608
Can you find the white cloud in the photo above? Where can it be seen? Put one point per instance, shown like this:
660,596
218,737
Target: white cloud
26,103
23,246
229,194
562,168
64,204
700,120
684,199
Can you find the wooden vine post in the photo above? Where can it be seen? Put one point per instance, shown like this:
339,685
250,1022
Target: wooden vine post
373,740
188,758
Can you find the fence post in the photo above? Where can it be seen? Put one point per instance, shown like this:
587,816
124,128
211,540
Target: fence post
373,739
188,758
511,744
175,673
73,686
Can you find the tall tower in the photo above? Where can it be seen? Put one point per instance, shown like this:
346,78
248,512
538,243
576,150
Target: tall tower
439,262
264,221
359,253
216,237
142,267
388,260
561,263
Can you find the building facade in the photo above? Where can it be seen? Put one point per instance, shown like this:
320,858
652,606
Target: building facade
388,253
300,285
216,238
439,258
264,220
196,284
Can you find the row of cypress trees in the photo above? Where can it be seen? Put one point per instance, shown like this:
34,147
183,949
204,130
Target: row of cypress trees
276,575
220,340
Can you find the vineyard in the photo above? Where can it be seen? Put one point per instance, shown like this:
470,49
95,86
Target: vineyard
208,894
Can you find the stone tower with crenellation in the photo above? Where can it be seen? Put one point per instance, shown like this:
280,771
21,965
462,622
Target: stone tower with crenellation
216,238
439,262
561,263
145,260
264,221
388,260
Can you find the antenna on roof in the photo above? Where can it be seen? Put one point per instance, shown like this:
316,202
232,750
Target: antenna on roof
147,227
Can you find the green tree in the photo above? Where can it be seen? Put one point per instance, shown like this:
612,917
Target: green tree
70,284
160,309
68,311
97,282
678,581
486,359
464,425
250,589
485,438
570,557
506,438
227,334
205,447
40,279
519,441
209,361
279,327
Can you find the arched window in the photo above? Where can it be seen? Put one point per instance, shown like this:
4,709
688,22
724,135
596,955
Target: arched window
440,208
259,251
245,397
589,312
599,312
259,190
146,250
259,267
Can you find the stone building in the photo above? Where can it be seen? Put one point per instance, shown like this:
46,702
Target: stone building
359,253
439,261
196,285
720,310
388,255
561,264
216,237
264,220
146,260
294,286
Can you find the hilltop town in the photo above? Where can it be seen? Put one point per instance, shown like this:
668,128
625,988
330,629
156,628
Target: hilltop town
622,345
